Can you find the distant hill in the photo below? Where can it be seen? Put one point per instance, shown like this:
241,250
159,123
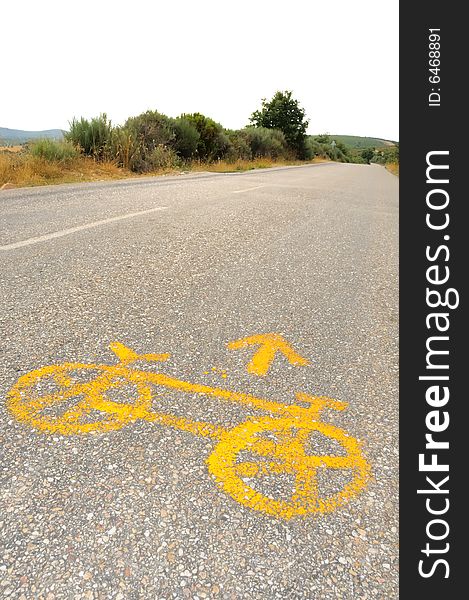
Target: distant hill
355,141
18,136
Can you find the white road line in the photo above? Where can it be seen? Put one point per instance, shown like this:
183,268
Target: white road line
248,189
70,230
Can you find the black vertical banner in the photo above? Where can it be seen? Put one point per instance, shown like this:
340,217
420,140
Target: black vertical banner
434,248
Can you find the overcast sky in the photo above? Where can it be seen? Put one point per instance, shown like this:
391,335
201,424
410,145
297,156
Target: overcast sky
69,58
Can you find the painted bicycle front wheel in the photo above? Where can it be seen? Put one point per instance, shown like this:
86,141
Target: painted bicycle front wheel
251,459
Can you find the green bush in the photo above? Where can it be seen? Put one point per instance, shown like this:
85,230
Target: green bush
311,148
325,147
323,138
151,129
239,147
268,143
258,142
354,155
163,157
213,143
93,137
142,138
314,148
53,150
186,138
384,156
390,154
126,149
367,154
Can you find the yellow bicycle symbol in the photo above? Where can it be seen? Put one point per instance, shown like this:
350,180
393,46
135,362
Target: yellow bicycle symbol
261,447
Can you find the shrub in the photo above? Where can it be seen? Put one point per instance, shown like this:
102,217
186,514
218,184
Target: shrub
53,150
367,154
269,143
239,148
125,148
186,138
140,160
390,154
151,129
213,143
323,138
314,147
93,137
163,157
311,149
325,147
141,139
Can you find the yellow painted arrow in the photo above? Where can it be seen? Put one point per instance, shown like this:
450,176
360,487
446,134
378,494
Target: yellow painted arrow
270,344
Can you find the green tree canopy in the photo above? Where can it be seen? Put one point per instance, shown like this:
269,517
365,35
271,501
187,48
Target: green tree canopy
283,112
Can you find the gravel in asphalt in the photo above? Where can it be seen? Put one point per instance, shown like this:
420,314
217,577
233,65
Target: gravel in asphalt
309,253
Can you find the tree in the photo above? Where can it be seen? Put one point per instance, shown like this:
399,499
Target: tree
283,112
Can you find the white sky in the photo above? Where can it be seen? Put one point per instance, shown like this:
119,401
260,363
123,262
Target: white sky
69,58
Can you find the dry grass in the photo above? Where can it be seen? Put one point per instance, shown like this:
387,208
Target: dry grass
393,168
13,149
246,165
23,170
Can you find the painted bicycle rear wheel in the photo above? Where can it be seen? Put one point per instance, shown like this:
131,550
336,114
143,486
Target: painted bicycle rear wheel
76,398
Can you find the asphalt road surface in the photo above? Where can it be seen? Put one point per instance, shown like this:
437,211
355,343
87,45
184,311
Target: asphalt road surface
196,483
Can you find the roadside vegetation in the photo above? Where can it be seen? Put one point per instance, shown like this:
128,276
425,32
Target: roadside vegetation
153,143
